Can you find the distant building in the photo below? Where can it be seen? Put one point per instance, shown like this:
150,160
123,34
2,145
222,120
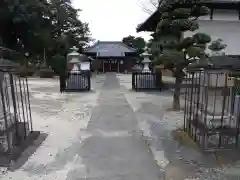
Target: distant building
113,56
6,64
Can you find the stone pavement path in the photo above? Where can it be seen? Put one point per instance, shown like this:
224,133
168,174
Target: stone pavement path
114,149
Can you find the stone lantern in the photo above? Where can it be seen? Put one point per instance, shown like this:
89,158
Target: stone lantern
75,60
78,64
146,61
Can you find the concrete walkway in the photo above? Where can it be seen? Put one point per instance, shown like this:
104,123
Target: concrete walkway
114,149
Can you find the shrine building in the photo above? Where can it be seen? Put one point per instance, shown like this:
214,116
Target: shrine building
113,56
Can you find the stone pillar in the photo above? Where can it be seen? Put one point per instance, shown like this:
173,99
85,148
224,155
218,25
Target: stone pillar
1,104
236,111
146,67
5,118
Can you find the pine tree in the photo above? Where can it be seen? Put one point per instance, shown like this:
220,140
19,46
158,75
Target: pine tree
217,47
176,52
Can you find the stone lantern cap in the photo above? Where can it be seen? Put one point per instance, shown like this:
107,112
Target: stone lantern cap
146,57
75,57
74,60
74,51
145,54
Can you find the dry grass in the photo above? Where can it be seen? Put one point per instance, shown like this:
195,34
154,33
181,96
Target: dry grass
226,157
169,107
183,139
221,159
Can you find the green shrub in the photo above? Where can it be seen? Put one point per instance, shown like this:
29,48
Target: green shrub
235,74
46,73
58,64
26,71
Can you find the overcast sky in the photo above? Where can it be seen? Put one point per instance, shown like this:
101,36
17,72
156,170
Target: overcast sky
111,20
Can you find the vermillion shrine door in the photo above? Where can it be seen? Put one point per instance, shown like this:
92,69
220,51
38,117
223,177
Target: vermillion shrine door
106,66
110,66
114,66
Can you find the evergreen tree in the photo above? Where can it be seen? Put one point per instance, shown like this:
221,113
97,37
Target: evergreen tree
137,43
177,17
43,28
217,47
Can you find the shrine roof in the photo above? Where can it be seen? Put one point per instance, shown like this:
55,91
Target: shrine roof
7,63
110,48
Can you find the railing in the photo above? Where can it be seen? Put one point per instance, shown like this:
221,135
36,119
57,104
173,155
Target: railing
146,81
15,112
211,111
76,81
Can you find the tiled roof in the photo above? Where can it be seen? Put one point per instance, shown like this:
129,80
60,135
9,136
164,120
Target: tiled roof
218,62
110,48
225,61
7,63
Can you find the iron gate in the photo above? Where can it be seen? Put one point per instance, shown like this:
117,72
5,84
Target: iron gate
212,109
76,81
16,129
146,81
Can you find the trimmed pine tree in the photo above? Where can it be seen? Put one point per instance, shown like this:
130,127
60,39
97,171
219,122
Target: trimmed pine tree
178,17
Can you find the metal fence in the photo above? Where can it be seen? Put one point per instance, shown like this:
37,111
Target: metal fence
146,81
15,113
76,81
212,109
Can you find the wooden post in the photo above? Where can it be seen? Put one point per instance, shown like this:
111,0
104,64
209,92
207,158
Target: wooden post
118,65
103,65
110,62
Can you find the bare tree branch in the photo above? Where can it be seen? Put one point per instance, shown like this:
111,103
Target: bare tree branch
149,6
154,3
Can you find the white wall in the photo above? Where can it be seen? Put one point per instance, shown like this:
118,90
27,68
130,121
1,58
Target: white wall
225,15
228,31
222,15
